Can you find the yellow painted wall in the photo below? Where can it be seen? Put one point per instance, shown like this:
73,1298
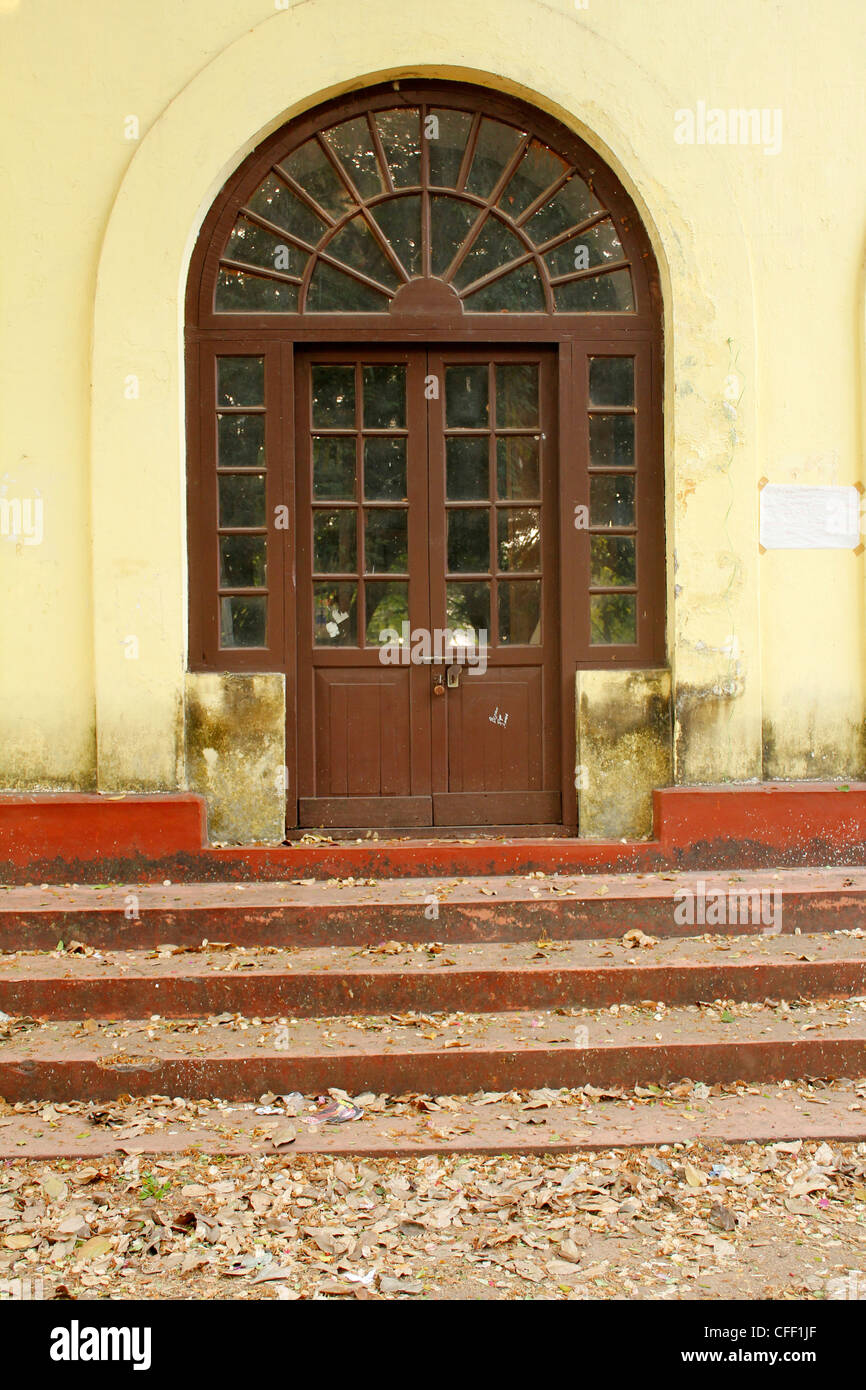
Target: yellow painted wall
762,260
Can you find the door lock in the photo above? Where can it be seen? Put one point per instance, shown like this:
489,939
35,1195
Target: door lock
453,677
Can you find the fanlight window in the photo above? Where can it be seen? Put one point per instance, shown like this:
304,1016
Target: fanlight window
362,210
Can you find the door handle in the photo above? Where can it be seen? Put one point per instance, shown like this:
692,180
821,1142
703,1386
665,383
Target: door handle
438,685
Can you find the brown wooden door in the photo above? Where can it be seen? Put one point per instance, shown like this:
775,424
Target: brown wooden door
493,522
428,685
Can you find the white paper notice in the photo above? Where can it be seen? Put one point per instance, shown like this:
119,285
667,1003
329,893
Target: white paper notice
809,518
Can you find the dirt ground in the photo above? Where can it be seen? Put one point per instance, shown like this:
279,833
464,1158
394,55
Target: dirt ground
701,1220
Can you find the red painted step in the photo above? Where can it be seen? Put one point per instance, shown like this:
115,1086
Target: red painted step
305,983
469,909
90,838
63,1061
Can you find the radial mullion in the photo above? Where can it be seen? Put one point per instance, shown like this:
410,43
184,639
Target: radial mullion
294,187
384,244
248,269
577,230
355,274
591,273
550,192
484,280
380,152
276,230
337,166
426,230
486,207
468,153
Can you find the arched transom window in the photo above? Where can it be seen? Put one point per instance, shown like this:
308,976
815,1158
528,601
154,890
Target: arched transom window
450,203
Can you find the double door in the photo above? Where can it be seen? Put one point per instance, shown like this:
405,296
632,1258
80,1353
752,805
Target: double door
428,673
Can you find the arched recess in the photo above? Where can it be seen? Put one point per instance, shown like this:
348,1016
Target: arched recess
451,232
281,66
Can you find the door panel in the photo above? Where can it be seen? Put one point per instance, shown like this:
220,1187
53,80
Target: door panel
427,510
364,727
493,515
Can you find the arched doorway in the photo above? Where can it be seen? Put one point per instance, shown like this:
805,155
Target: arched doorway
425,451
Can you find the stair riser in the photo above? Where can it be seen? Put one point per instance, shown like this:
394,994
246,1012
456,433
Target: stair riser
445,1072
320,994
369,924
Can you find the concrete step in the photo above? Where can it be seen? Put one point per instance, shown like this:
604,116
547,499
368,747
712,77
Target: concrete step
342,912
527,1122
303,982
432,1053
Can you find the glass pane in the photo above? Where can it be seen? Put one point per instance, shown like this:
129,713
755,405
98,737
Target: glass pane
240,293
310,167
242,499
242,562
612,560
572,205
469,540
277,203
334,468
254,246
537,170
333,396
467,467
385,396
447,142
602,294
517,292
333,292
356,246
353,144
466,403
467,610
387,607
335,546
450,220
519,538
520,613
613,618
335,615
611,499
517,467
385,469
241,441
400,220
494,246
401,141
243,622
386,543
611,441
240,381
598,246
611,380
496,144
516,395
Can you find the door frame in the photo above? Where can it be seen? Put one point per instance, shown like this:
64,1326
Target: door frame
574,335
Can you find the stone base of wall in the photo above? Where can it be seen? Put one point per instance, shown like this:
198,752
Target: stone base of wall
624,750
235,753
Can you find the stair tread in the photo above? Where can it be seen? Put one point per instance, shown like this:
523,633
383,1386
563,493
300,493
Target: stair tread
518,1030
206,896
723,952
468,1124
